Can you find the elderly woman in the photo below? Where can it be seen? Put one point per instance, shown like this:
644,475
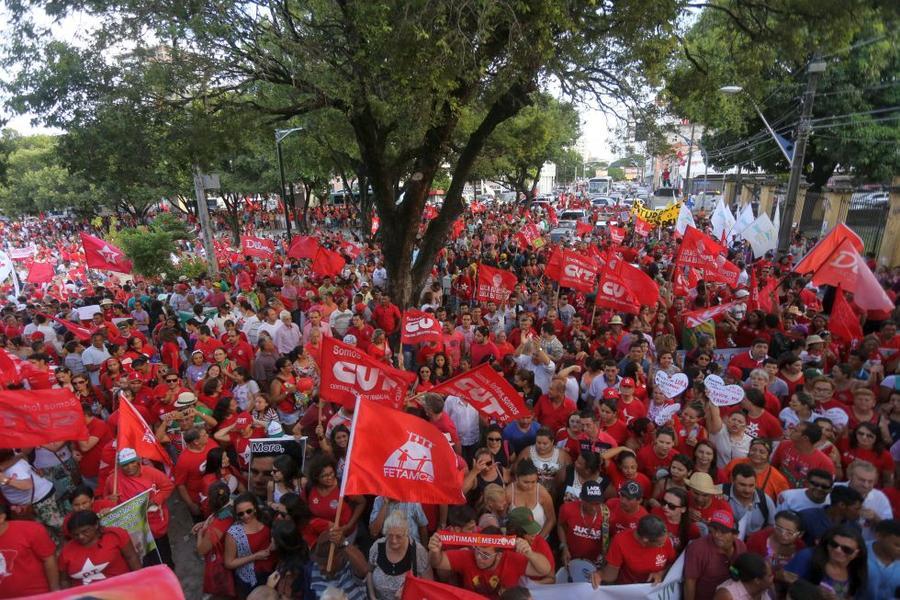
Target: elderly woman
395,555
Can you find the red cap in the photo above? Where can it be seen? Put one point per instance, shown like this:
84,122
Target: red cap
611,393
243,420
723,518
305,384
37,335
627,382
734,373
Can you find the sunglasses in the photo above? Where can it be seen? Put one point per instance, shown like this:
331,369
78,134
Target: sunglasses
172,380
484,555
821,486
247,512
671,506
849,551
785,531
495,439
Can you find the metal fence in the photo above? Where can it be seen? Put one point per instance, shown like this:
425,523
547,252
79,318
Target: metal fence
868,214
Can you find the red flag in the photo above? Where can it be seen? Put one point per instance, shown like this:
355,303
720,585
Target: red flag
624,288
419,326
753,300
843,322
40,272
82,333
713,313
135,433
9,374
303,246
826,246
347,372
376,224
257,246
553,269
400,456
698,250
31,418
425,589
530,236
767,298
641,285
494,284
429,213
685,280
725,272
103,255
351,249
551,216
488,393
583,228
149,583
327,262
456,228
847,268
617,234
642,227
578,272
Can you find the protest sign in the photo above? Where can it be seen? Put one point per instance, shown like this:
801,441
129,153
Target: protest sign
481,540
131,516
293,447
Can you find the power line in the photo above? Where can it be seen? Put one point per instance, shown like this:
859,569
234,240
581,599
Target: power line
860,89
852,123
857,114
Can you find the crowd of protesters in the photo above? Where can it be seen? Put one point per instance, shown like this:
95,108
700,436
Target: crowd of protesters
791,492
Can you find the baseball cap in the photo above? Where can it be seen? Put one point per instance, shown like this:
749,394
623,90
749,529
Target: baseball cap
185,399
522,518
274,430
734,373
611,393
243,421
723,518
592,491
349,339
741,294
631,490
127,455
626,382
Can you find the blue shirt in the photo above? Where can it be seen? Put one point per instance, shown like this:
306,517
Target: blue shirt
884,580
518,439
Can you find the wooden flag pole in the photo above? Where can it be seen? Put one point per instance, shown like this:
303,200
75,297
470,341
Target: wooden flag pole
347,465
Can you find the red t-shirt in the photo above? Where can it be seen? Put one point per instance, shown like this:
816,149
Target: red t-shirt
189,470
241,353
714,505
617,479
764,426
649,463
492,582
619,520
87,564
553,417
618,431
632,410
794,466
90,460
882,460
635,562
584,535
207,347
674,529
24,546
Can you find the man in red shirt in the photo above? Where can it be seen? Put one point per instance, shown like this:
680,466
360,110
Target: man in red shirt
29,558
708,559
552,410
488,570
190,469
239,350
90,449
206,343
626,510
361,330
704,499
640,555
387,317
629,407
434,410
583,526
798,455
659,455
751,359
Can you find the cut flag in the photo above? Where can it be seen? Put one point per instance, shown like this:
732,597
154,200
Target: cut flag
99,254
419,326
30,418
348,372
487,392
400,456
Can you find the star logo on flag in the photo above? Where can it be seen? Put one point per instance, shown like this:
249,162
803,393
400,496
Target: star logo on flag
90,572
109,254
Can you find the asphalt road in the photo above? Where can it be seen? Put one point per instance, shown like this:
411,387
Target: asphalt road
188,565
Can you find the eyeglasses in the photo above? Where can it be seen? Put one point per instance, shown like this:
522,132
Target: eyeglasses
849,551
821,486
247,512
484,555
671,506
174,380
495,439
785,531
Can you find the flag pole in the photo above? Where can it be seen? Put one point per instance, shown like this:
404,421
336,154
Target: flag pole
344,477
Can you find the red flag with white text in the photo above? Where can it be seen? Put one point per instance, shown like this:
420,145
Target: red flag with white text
257,246
530,236
642,227
347,372
616,234
400,456
494,284
30,418
99,254
578,272
487,392
419,326
695,318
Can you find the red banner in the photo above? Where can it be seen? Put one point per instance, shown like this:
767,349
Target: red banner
488,393
30,418
642,227
616,234
40,272
400,456
150,583
99,254
844,323
419,326
481,540
695,318
347,372
529,235
257,246
578,272
494,284
426,589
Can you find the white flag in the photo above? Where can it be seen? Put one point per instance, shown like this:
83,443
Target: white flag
7,269
685,218
744,219
762,235
722,220
777,220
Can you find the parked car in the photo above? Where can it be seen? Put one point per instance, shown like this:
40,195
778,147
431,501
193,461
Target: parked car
564,231
576,215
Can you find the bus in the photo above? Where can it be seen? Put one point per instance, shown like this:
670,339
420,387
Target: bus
599,186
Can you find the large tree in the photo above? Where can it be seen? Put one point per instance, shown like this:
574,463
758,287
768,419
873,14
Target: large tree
398,72
767,55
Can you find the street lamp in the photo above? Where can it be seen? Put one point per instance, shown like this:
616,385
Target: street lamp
280,134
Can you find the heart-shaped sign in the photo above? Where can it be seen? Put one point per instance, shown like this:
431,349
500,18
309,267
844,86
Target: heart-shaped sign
721,394
670,386
837,416
665,414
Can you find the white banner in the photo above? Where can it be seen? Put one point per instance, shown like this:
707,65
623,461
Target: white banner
86,313
669,589
23,253
762,235
744,220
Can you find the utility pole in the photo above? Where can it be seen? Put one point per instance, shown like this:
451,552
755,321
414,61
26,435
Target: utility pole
201,183
813,71
687,176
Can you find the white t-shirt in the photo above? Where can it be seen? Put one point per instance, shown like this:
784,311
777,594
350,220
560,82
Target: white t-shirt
728,449
21,470
465,418
796,500
878,503
542,373
94,356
